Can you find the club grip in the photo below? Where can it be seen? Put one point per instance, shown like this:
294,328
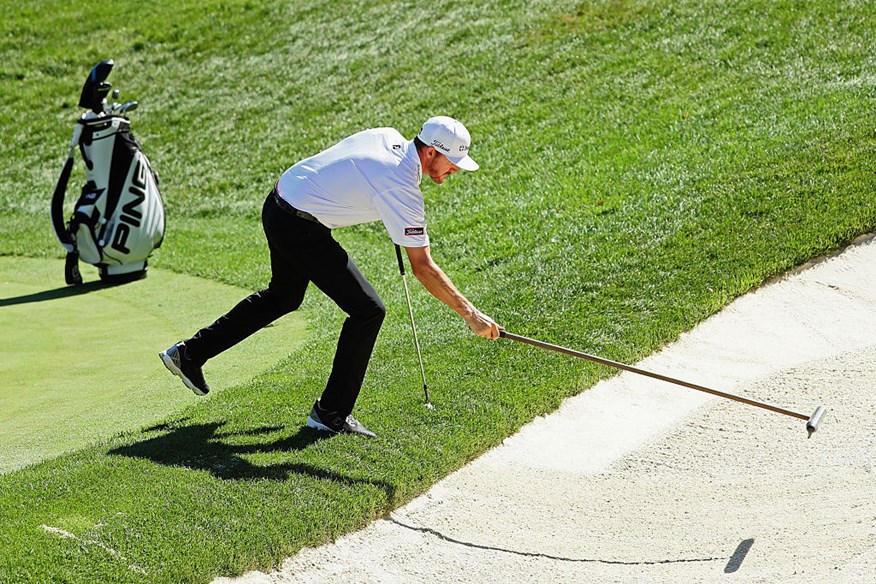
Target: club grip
401,264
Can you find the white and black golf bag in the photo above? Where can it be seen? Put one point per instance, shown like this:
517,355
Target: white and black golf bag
119,217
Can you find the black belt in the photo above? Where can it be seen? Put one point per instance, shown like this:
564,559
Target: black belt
292,210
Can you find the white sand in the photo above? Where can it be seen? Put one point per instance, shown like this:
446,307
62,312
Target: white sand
641,481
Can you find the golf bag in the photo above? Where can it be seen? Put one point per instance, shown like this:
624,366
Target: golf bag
119,217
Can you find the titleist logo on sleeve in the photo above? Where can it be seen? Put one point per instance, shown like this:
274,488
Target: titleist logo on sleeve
415,231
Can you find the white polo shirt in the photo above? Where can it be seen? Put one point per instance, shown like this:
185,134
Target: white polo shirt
371,175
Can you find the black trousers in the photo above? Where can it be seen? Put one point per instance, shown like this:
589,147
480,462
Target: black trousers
303,251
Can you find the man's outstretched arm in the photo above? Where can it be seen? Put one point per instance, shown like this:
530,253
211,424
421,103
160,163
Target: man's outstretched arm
439,285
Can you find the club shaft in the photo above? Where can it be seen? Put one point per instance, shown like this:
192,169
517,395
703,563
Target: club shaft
631,369
414,330
401,269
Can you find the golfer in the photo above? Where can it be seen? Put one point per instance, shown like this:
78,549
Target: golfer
373,175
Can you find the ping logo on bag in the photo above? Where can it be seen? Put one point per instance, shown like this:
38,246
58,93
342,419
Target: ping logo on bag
131,216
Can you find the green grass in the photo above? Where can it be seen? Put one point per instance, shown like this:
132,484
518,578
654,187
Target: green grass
100,382
643,163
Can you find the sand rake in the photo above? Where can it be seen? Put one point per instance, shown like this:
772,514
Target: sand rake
812,421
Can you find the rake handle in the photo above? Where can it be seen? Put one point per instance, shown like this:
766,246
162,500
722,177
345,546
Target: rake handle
511,336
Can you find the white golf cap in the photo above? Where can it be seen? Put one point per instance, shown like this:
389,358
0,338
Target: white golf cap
450,138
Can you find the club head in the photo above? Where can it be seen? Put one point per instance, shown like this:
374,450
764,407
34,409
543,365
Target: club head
96,87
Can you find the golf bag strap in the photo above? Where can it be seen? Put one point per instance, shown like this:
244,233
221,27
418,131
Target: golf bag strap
58,205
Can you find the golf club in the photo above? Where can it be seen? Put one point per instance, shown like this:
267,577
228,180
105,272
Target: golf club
812,421
401,269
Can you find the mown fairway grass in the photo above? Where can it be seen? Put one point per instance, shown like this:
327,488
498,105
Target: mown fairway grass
69,380
643,163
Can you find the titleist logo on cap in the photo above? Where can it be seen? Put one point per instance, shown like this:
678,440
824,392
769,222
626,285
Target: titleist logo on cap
440,145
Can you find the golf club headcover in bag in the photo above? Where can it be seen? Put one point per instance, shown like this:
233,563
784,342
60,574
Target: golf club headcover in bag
119,217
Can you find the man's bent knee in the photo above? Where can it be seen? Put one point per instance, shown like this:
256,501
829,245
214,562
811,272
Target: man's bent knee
373,314
378,313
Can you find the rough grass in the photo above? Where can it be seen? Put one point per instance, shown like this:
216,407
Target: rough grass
643,163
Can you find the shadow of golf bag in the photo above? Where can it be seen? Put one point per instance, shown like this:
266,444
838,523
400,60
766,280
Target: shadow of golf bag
119,217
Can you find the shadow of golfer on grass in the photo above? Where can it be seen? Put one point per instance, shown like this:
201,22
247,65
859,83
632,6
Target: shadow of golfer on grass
204,447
